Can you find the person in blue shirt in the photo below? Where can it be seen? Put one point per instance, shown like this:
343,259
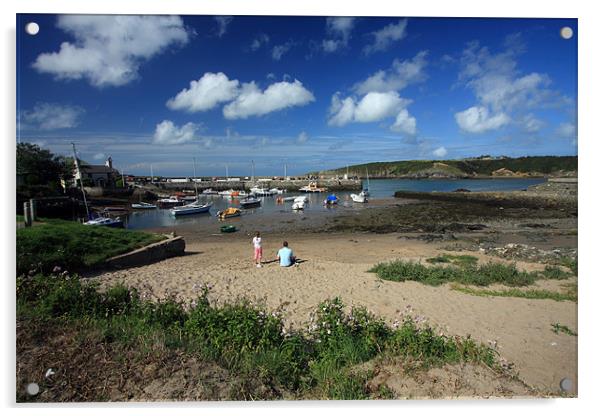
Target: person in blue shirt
285,255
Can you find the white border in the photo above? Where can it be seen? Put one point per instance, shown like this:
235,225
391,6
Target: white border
589,159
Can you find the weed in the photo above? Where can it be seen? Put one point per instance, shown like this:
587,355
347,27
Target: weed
562,328
458,260
516,293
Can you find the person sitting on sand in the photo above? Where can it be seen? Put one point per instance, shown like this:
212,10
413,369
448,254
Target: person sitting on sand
258,251
285,255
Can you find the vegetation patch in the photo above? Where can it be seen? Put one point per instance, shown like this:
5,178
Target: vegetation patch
557,328
269,360
516,293
73,246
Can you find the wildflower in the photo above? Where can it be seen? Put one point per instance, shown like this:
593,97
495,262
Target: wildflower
328,331
56,269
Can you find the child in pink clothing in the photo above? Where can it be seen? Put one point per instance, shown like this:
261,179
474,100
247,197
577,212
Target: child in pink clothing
258,251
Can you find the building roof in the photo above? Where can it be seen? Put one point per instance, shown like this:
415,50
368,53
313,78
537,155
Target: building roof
98,169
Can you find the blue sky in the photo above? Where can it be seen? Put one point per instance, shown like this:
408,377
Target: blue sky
312,92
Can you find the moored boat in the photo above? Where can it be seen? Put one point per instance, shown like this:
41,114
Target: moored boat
250,202
194,208
106,222
229,213
361,197
144,205
312,188
298,206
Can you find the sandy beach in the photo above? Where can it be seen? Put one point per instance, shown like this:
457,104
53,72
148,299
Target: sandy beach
337,264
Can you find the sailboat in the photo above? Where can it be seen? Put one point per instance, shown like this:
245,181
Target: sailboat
194,208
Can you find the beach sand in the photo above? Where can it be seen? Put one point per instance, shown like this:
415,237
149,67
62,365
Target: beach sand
337,265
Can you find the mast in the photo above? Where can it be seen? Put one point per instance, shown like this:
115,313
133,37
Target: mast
152,176
285,171
227,177
196,191
252,171
81,182
367,180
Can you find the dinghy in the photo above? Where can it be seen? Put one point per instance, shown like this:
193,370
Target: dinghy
229,213
194,208
144,205
250,202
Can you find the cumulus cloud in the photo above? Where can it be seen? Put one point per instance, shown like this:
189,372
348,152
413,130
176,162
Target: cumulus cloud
252,101
503,90
374,106
339,32
440,152
400,75
280,50
222,23
566,131
386,36
50,116
168,133
404,123
108,50
259,41
302,138
206,93
478,120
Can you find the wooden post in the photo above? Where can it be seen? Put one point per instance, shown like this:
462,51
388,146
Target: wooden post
27,214
33,208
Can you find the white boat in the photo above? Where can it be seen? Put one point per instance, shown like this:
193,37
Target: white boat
209,192
261,191
303,198
250,202
291,198
298,205
226,193
278,191
238,194
106,222
189,198
361,198
194,208
143,205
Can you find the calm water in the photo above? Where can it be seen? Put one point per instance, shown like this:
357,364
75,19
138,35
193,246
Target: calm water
379,189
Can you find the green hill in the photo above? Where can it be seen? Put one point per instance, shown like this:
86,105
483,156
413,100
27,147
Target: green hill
465,168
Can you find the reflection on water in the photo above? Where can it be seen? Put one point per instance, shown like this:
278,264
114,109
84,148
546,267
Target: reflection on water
270,209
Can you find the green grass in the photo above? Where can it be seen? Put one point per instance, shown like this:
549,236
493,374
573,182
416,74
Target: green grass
483,275
73,246
245,339
517,293
557,328
457,260
555,273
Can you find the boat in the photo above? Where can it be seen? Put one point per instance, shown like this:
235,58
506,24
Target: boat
261,191
250,202
301,198
144,205
189,198
189,209
167,201
108,210
209,191
227,228
238,194
105,222
278,191
229,213
331,200
312,188
361,197
298,206
290,198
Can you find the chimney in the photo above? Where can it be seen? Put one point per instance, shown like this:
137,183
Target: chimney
109,163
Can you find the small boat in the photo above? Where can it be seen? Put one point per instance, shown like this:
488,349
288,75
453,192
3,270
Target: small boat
227,228
189,198
312,188
143,205
250,202
226,193
229,213
331,200
298,206
172,200
290,198
114,209
209,191
238,194
106,222
361,197
278,191
261,191
194,208
302,198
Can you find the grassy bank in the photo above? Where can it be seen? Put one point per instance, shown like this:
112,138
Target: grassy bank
250,349
73,246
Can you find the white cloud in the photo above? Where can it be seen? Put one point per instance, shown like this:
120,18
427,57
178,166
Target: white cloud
49,116
252,101
99,156
339,31
168,133
567,131
531,124
280,50
222,22
400,75
206,93
259,41
386,36
440,152
404,123
108,50
302,138
501,89
478,120
374,106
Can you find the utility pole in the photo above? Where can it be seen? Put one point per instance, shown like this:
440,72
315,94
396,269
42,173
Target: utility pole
252,171
152,176
81,182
